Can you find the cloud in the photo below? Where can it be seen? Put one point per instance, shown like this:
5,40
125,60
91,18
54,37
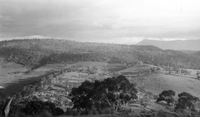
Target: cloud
101,20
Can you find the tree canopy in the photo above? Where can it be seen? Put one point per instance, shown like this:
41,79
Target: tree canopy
167,95
186,101
111,92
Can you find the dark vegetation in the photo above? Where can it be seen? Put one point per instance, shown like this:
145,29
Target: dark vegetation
186,101
198,74
36,53
186,105
167,95
29,107
99,97
108,96
109,93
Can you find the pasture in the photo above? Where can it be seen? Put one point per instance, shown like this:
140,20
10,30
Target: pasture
157,82
106,67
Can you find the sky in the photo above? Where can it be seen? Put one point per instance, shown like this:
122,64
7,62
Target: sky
112,21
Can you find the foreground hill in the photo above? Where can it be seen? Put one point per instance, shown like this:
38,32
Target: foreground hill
36,53
55,86
175,45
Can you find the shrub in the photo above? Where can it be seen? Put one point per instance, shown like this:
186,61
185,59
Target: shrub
186,101
167,96
111,92
198,74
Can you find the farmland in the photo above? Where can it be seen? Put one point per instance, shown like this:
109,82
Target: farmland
52,74
79,72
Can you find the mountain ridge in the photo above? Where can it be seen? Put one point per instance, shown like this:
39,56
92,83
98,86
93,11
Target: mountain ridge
38,52
174,45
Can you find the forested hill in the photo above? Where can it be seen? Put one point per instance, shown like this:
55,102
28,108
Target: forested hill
175,44
38,52
197,53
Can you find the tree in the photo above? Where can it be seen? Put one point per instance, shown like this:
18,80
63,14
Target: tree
198,74
119,91
167,96
2,106
186,101
34,107
111,92
185,72
7,108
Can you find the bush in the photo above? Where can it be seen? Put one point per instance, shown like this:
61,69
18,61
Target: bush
111,92
36,107
167,96
29,107
186,101
198,74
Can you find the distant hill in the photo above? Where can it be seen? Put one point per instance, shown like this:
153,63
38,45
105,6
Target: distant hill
197,54
174,45
38,52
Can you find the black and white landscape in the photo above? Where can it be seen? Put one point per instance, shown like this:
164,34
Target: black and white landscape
181,45
101,58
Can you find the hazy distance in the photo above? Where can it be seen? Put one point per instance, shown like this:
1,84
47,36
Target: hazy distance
108,21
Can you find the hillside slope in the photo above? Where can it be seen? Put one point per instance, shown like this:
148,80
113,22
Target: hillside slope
156,83
197,54
175,45
36,53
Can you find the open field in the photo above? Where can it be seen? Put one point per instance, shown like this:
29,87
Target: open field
161,80
106,67
57,87
13,77
136,69
157,82
11,73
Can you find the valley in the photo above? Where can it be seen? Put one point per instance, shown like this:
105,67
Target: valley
52,75
99,58
73,75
